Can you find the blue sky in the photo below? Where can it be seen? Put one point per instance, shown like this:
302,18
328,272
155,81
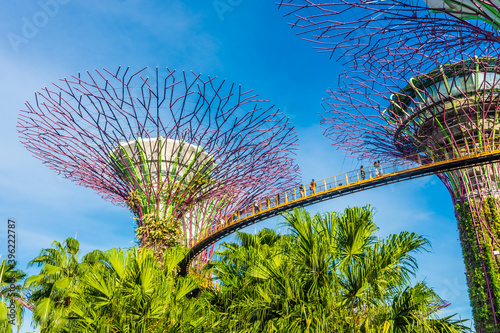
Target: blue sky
244,41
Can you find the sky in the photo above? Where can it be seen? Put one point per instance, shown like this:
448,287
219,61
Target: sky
242,41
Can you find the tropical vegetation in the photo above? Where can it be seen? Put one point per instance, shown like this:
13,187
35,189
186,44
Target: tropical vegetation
11,297
329,273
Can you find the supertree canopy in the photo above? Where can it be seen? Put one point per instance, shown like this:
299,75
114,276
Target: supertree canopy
181,151
452,111
383,38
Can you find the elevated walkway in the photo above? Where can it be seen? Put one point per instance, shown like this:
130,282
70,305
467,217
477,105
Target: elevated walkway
337,186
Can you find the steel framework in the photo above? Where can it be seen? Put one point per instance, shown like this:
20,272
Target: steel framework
413,84
178,149
386,37
455,108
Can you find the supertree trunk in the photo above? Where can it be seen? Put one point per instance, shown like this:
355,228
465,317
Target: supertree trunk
181,151
479,227
447,113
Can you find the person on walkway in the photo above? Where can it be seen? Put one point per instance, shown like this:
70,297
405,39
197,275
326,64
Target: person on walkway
362,172
302,191
256,208
376,165
312,187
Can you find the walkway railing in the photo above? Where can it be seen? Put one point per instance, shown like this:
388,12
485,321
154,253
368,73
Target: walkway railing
377,174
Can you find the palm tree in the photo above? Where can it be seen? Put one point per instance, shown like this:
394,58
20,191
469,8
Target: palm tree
331,275
237,287
113,291
11,298
232,263
130,291
58,279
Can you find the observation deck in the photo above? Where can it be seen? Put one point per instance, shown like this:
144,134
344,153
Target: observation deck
453,109
152,165
151,160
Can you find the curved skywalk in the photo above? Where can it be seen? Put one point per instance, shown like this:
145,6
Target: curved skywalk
337,186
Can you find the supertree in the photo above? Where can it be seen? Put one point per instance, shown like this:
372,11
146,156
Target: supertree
452,111
414,85
180,151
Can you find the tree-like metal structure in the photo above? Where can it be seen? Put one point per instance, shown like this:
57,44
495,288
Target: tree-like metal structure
181,151
438,115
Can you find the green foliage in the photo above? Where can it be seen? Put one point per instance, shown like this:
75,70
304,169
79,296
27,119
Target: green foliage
59,277
130,292
330,274
113,291
10,296
158,234
134,202
482,269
